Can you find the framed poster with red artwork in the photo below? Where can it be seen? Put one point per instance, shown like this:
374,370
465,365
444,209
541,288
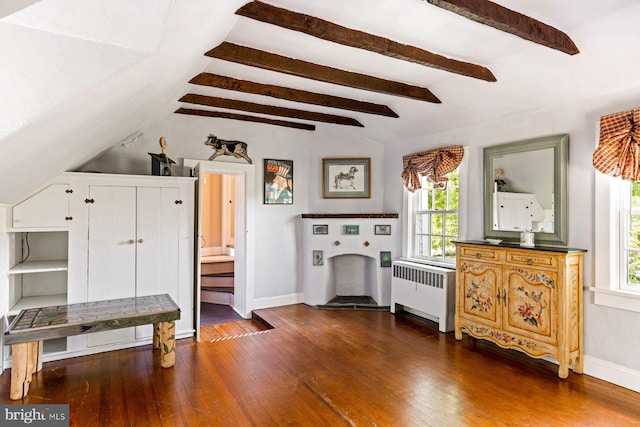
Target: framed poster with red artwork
278,182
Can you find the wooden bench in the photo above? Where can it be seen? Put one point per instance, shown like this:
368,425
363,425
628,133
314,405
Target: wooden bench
30,327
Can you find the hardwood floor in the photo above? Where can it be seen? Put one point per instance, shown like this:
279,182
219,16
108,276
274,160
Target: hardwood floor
327,368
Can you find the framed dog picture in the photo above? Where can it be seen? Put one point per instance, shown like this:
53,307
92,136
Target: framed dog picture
346,178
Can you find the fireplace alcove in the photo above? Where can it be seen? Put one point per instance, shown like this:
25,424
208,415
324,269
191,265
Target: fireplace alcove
352,279
349,274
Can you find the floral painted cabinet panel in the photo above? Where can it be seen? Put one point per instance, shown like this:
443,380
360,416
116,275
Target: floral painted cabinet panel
481,285
527,299
530,304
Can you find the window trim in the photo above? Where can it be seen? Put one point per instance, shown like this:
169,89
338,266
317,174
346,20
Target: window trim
407,223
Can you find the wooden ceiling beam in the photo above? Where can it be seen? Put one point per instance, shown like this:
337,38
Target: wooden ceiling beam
271,61
244,118
329,31
296,95
509,21
232,104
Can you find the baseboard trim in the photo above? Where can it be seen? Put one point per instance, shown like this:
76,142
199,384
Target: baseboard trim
610,372
280,300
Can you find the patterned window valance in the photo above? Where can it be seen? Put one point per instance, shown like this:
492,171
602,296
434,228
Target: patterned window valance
618,153
434,164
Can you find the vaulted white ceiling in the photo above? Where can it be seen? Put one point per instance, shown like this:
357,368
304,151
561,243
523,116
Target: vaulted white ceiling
77,76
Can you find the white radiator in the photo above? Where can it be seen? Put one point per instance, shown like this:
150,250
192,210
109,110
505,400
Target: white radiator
429,290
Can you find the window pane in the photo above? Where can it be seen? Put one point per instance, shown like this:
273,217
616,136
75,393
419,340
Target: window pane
422,223
432,197
441,200
436,247
634,232
437,223
450,248
454,179
453,198
635,195
423,200
451,225
422,246
633,268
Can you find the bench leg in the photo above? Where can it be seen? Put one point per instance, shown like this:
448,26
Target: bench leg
156,336
34,357
26,361
168,344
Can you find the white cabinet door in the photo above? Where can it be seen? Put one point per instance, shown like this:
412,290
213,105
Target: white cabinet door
47,208
112,252
158,223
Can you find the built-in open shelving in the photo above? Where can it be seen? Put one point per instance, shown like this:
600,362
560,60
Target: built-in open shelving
37,301
39,266
41,280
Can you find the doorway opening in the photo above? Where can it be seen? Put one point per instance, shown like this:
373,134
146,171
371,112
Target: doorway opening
233,247
217,251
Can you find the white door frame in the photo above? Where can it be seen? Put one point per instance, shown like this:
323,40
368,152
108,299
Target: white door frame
244,212
227,195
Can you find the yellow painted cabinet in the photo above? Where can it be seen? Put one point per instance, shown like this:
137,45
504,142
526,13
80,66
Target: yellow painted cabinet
528,299
480,284
530,305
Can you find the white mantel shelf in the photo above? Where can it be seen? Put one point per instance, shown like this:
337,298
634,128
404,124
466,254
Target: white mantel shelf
351,215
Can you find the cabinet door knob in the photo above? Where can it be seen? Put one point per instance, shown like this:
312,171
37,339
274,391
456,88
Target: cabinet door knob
529,261
131,241
68,191
140,240
68,218
89,200
178,202
478,255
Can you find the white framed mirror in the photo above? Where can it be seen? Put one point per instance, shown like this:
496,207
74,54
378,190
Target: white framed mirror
525,189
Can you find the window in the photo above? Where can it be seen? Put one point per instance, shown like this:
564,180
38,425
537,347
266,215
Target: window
629,238
617,240
433,219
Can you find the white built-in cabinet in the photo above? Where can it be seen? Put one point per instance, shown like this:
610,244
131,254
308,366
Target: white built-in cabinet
47,209
39,243
516,211
137,230
120,236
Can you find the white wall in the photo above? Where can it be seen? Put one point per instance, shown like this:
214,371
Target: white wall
611,336
278,227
